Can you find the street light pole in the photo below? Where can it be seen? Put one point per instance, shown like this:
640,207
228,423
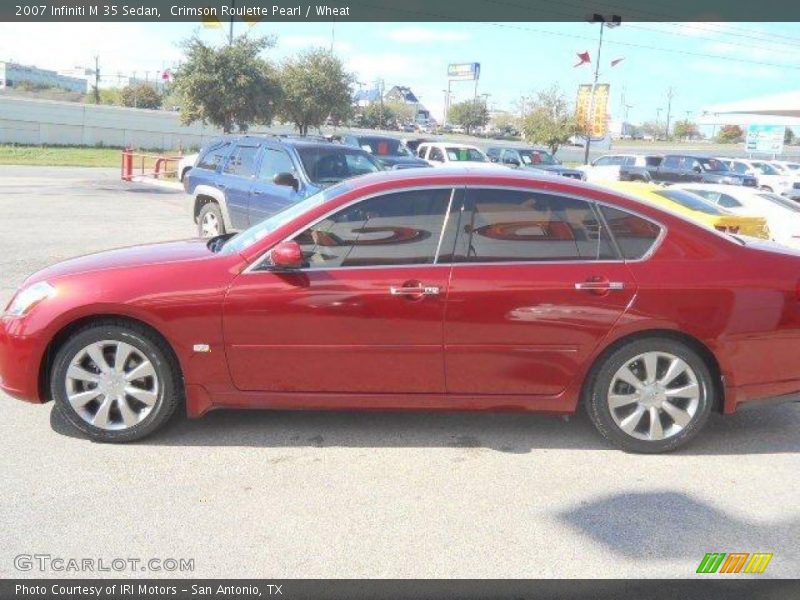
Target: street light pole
615,21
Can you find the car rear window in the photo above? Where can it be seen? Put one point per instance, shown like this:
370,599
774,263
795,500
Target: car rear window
634,235
327,165
690,201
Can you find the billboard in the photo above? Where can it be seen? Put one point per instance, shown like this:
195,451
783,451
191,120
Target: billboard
464,71
596,122
765,139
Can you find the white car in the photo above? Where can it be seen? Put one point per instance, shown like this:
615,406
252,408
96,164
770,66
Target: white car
449,154
792,170
782,214
186,163
620,167
769,178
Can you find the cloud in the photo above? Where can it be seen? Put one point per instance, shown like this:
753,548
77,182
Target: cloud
395,66
420,35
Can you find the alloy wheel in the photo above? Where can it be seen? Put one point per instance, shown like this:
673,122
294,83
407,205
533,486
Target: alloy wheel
210,225
654,396
112,385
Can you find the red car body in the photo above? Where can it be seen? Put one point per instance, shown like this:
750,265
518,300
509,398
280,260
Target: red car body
510,336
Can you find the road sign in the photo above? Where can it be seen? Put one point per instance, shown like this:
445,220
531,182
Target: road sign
464,71
765,139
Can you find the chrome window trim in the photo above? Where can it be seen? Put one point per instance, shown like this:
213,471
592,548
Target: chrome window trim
652,250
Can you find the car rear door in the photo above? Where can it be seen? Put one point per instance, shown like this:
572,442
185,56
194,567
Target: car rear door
235,180
365,313
266,197
536,284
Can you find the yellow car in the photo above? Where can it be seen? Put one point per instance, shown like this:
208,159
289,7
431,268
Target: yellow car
694,207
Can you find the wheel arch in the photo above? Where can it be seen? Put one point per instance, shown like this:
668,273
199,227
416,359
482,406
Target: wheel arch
204,194
63,334
692,342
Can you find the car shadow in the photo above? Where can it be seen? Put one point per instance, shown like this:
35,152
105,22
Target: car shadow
768,430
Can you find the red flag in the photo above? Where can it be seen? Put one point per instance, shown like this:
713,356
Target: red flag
583,58
616,61
166,75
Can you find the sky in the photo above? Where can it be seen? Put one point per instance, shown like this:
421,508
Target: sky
703,63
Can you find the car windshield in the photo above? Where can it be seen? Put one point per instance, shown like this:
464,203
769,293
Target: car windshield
250,236
380,146
781,201
766,169
712,164
537,157
464,153
327,165
690,201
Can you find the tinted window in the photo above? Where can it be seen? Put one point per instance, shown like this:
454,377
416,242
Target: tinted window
394,229
380,146
652,161
275,161
671,162
690,201
213,157
634,235
462,153
242,161
436,154
325,165
537,157
712,164
506,225
740,167
603,161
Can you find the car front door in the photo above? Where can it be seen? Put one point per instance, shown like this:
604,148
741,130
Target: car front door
536,284
266,197
235,181
365,313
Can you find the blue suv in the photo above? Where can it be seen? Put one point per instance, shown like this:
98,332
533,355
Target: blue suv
241,180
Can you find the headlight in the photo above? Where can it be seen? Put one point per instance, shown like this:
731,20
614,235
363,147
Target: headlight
28,297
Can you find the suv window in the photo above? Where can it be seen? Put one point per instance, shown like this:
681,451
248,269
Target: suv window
634,235
401,228
738,167
331,164
436,154
242,161
671,162
213,157
604,161
518,226
275,161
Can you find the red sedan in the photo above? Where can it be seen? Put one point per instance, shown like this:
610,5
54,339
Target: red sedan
434,290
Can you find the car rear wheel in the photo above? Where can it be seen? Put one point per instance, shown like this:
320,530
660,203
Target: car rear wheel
115,383
650,396
209,221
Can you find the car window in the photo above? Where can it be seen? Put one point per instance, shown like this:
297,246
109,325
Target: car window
652,161
380,146
330,164
511,226
242,161
671,162
421,151
738,167
781,201
213,157
634,235
537,157
766,169
401,228
712,164
690,201
436,154
464,153
603,161
724,200
273,162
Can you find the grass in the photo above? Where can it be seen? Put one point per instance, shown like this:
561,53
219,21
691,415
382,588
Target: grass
71,156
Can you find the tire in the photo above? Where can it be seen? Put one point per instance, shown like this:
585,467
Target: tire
210,222
629,425
110,402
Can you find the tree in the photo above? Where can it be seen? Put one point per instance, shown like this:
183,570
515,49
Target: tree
505,123
685,130
549,119
315,86
377,116
729,134
468,114
140,95
651,129
402,111
789,137
228,86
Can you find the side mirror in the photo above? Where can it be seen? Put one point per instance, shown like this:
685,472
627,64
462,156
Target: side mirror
286,179
493,159
697,169
286,255
512,161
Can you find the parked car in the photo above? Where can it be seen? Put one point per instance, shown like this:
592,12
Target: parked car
391,152
697,168
186,163
787,167
430,289
530,158
441,154
412,143
620,167
695,208
767,177
239,181
782,214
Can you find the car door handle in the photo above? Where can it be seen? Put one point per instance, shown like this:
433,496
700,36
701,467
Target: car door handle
257,193
419,290
600,285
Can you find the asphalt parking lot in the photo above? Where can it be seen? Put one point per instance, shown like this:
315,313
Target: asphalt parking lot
313,494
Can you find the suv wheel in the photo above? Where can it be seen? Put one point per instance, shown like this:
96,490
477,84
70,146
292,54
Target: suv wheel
650,396
209,221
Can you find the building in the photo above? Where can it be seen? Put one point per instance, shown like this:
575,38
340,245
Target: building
13,74
401,93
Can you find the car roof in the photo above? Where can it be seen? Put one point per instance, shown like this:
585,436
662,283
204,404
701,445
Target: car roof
287,139
451,143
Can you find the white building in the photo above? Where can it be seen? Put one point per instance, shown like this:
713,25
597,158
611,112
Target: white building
13,74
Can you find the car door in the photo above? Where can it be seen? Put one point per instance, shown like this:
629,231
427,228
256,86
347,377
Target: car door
536,284
670,169
365,313
236,179
266,197
603,169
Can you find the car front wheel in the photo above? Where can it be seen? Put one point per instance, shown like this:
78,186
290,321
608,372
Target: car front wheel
650,395
209,222
115,382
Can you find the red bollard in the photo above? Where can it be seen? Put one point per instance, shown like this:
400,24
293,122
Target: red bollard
127,164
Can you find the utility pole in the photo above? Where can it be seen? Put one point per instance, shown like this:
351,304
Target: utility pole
614,22
380,93
230,31
670,93
96,79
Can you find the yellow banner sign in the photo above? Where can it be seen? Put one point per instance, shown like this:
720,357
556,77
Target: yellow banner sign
591,113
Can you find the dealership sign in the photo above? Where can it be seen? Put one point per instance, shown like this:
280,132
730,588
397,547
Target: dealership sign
765,139
591,113
464,71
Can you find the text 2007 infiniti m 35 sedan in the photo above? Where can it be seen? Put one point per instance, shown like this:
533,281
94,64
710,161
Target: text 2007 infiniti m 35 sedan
458,289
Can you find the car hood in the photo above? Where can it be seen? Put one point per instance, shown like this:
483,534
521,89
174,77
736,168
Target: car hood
133,256
555,169
405,161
